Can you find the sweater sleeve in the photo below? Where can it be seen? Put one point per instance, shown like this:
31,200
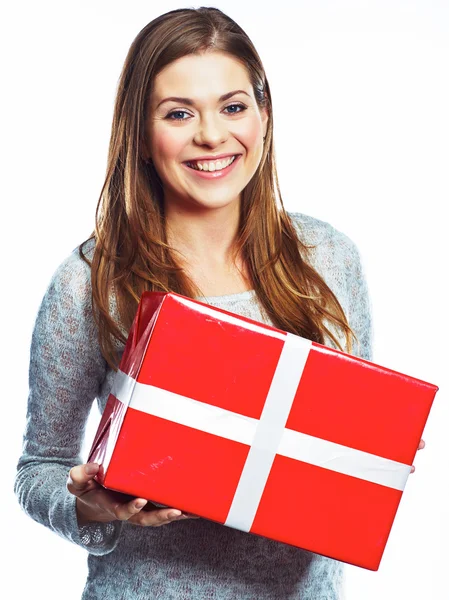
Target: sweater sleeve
359,305
65,375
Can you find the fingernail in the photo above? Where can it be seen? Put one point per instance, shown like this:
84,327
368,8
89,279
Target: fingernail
139,504
174,513
91,468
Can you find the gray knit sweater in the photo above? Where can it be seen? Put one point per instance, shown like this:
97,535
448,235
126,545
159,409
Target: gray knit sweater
195,559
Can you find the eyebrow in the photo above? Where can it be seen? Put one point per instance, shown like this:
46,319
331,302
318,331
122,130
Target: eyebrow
190,102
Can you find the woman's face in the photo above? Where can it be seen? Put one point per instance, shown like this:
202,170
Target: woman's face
203,108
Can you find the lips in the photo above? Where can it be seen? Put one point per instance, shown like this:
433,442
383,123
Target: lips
196,167
212,158
214,175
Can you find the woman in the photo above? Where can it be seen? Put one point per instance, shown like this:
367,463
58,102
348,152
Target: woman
188,205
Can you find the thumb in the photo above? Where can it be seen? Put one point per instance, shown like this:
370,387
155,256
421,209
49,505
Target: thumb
81,478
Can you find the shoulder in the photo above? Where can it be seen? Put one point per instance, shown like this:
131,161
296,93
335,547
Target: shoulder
65,334
330,246
317,232
65,315
71,281
337,259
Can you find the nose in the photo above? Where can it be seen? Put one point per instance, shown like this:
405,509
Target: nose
212,131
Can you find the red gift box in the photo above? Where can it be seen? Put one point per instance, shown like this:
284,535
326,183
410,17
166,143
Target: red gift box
261,430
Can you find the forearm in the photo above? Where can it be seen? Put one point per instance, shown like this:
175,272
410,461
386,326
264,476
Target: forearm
41,489
66,372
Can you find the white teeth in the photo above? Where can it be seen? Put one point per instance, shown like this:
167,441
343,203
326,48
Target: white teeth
212,165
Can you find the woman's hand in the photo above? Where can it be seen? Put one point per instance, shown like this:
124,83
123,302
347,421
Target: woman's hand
422,443
94,503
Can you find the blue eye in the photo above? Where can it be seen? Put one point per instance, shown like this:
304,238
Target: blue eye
171,116
242,106
176,112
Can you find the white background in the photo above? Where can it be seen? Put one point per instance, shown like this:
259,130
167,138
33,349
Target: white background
361,113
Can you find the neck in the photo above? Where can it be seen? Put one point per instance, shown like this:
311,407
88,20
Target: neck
203,236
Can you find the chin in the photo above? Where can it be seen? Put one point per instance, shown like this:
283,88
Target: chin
218,203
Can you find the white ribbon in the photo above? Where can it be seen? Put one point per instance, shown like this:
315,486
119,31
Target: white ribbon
269,430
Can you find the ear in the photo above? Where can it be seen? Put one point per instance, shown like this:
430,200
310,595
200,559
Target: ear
264,114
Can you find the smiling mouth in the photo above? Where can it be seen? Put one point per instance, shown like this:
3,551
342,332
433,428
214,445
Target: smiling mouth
210,166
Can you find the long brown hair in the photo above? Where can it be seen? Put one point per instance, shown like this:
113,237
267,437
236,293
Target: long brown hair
131,253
